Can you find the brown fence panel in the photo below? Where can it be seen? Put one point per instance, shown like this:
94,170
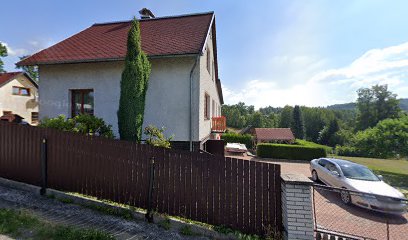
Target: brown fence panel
20,153
235,193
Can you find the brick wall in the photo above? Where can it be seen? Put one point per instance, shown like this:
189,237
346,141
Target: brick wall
297,203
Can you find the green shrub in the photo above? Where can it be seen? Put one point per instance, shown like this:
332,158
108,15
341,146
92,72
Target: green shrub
287,151
348,151
187,231
238,138
155,137
83,124
312,144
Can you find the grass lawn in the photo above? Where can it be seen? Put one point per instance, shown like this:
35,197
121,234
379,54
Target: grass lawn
395,172
22,225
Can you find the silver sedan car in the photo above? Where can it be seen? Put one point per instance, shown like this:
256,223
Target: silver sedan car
367,190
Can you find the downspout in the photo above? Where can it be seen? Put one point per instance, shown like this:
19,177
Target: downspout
191,102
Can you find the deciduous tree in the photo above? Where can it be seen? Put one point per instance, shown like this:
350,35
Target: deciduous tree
3,53
31,71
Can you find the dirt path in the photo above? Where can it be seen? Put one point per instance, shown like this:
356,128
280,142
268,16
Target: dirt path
72,215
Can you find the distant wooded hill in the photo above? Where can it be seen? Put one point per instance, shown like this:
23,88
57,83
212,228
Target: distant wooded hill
351,106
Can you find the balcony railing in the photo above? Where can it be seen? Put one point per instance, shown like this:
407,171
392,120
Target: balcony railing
219,124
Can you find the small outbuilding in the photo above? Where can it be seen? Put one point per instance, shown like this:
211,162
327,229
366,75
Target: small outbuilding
273,135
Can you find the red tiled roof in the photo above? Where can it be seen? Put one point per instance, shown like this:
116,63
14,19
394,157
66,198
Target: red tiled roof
274,134
176,35
5,77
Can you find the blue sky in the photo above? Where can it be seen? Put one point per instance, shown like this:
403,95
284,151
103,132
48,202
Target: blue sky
271,52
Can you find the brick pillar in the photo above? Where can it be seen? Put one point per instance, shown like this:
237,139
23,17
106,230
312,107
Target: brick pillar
297,215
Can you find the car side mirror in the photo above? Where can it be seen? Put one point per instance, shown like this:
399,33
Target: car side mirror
335,173
380,177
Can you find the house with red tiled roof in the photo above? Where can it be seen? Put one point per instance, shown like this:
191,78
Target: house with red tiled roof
273,135
81,74
19,97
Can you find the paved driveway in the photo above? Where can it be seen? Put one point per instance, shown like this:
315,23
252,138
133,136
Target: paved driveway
333,215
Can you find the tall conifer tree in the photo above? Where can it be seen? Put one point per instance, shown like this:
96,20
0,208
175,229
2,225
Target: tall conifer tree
133,87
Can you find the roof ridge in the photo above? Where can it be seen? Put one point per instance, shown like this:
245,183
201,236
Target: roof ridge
156,18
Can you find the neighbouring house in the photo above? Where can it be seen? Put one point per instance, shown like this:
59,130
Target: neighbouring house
247,130
273,135
82,74
18,96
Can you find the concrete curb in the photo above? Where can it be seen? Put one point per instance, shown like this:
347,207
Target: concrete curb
176,224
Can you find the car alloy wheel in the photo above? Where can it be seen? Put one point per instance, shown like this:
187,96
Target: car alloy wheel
314,176
345,196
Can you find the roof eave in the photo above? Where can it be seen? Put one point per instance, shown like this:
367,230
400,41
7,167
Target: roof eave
21,63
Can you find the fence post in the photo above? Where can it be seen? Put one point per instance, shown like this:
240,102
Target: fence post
297,207
44,177
149,214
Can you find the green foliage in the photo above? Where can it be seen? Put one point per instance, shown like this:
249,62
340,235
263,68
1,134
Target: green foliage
297,124
71,233
133,87
328,135
83,124
375,104
312,144
3,53
114,211
155,137
66,200
165,223
13,222
238,235
287,151
348,151
286,117
187,231
31,71
388,139
18,223
238,138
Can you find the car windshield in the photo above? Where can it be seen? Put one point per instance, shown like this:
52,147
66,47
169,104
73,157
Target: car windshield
358,172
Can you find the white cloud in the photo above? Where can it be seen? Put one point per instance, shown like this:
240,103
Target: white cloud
13,52
377,66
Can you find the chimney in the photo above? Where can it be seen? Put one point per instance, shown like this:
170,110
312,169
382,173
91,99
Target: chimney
146,14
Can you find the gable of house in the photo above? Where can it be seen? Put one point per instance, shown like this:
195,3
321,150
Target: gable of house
88,65
18,95
184,35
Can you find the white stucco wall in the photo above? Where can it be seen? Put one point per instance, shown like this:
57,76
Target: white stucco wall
21,105
167,99
207,85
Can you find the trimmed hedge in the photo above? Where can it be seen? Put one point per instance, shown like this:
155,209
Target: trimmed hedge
312,144
348,151
238,138
287,151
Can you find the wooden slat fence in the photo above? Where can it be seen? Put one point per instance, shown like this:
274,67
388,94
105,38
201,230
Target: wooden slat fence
240,194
